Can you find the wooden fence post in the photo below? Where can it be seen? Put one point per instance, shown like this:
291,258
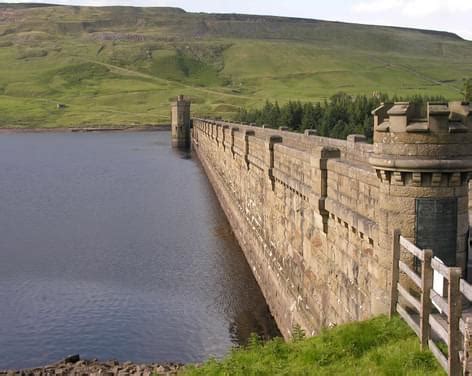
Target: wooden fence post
395,272
426,286
454,315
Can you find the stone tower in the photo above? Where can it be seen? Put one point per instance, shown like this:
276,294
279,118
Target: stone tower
423,158
181,123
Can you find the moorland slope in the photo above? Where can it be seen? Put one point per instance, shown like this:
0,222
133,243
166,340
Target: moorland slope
122,65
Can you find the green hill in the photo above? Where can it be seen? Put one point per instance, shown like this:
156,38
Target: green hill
122,65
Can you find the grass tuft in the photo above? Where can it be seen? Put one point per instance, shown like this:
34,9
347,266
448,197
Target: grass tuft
375,347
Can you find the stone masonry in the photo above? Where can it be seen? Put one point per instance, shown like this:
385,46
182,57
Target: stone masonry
181,123
315,216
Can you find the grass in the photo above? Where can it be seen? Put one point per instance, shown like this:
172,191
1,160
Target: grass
375,347
123,65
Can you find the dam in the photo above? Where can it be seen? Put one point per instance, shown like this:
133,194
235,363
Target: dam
315,216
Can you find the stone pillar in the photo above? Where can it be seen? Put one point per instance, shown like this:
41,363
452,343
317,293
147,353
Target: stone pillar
247,134
224,136
311,132
181,123
423,161
270,141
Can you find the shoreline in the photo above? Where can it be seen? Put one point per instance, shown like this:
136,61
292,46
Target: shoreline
74,365
142,128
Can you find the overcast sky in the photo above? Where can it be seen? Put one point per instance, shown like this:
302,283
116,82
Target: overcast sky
449,15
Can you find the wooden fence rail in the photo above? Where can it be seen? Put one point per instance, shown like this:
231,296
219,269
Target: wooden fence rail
436,317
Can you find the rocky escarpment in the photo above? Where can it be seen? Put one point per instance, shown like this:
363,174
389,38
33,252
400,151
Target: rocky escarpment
73,365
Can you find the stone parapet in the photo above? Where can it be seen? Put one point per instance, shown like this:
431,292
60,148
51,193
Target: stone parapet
355,148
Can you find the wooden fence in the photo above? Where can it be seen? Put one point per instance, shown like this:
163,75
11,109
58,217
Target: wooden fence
440,319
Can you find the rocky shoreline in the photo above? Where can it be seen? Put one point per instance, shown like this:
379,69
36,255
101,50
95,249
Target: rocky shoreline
75,366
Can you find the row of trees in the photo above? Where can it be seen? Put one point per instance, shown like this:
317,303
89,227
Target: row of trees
337,117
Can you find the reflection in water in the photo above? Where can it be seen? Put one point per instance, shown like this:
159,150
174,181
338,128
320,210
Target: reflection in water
183,153
113,245
247,319
248,322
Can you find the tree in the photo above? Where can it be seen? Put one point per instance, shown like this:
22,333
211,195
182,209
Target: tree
311,118
291,115
338,116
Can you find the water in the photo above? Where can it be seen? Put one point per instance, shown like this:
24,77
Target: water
113,245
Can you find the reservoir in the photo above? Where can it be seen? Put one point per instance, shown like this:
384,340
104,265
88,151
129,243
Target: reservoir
114,246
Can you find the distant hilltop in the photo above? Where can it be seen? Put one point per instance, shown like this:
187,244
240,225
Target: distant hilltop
121,66
241,18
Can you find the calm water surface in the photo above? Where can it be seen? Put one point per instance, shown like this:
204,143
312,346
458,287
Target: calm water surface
113,245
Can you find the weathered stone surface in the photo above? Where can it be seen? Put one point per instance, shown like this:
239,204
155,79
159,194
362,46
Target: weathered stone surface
315,217
181,123
283,231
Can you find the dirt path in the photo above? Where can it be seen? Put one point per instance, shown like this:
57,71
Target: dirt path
130,72
423,76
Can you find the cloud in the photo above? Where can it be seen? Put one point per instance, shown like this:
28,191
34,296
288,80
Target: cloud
413,8
376,6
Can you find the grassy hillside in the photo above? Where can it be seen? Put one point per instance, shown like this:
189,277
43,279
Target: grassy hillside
122,65
375,347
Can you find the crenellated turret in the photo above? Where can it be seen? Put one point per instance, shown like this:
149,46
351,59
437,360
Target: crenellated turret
440,117
423,158
438,139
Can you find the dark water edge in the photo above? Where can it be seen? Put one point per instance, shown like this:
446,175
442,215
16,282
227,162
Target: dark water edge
113,245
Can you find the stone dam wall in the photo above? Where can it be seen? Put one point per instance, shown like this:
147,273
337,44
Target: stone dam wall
315,216
304,211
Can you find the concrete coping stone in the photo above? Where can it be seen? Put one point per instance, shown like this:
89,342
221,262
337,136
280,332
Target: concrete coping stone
399,109
427,165
439,109
356,138
273,138
384,127
418,127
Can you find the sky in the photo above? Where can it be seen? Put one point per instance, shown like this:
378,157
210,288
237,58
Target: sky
448,15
